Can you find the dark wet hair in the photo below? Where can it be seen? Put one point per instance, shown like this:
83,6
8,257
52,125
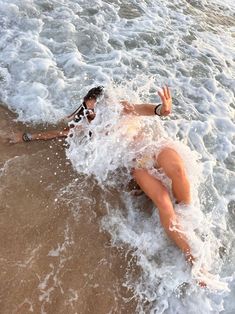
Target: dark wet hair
94,93
82,110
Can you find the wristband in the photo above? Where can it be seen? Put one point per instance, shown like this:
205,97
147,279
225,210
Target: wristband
27,137
157,110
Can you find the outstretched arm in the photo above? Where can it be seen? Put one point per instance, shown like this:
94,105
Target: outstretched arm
43,136
47,135
163,109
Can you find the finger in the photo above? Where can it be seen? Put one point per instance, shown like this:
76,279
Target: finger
165,92
161,94
168,92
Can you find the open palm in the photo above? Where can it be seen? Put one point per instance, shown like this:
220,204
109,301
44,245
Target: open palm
166,99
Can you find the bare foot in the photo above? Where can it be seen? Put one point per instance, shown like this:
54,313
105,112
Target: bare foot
191,260
210,281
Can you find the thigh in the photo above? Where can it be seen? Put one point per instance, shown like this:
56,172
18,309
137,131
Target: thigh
170,161
151,186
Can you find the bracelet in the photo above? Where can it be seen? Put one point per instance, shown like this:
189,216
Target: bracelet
157,110
27,137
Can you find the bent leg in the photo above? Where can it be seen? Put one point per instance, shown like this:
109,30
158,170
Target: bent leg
173,166
158,193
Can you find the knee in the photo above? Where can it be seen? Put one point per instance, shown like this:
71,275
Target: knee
177,171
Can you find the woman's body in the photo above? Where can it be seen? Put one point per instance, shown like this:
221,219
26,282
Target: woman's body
168,160
173,166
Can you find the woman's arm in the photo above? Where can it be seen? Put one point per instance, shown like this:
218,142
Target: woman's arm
163,109
43,136
47,135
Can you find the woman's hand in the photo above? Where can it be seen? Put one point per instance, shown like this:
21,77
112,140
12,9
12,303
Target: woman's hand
166,99
14,138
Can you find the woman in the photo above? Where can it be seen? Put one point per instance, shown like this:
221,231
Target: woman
84,111
167,159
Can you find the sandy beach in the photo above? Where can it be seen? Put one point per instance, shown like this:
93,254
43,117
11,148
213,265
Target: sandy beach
51,261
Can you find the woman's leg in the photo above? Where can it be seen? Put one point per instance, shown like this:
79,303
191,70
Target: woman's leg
158,193
173,166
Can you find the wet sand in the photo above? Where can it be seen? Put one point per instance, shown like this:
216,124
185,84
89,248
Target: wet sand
54,257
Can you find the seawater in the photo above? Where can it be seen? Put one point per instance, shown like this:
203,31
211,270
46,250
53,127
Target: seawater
53,52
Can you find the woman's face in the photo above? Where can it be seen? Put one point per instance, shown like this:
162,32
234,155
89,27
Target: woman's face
90,103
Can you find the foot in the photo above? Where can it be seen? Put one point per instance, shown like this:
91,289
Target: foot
191,260
207,280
